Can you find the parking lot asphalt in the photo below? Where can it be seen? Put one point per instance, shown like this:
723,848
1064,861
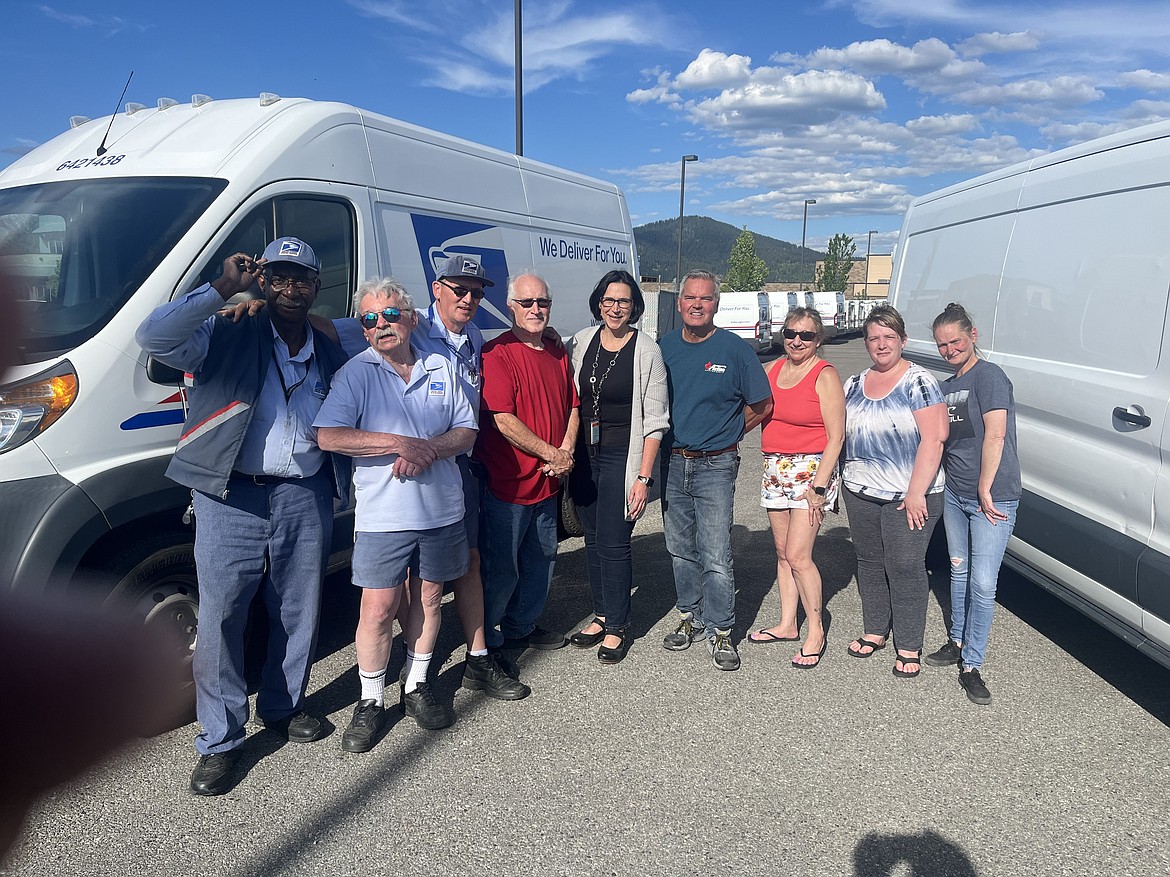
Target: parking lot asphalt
663,764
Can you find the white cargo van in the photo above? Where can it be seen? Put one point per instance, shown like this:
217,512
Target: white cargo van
831,306
748,315
1064,264
97,239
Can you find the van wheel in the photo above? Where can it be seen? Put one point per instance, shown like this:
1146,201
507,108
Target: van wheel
161,590
568,523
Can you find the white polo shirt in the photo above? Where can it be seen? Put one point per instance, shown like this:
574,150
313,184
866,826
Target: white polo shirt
368,394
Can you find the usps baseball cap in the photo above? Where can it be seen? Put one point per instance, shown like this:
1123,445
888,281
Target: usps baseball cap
464,266
293,250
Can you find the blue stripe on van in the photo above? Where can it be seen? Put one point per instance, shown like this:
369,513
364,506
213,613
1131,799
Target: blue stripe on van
150,419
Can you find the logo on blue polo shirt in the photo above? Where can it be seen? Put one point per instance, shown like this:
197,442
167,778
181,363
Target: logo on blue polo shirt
438,388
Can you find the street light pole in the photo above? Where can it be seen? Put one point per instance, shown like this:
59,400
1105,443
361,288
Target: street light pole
682,188
519,79
868,244
803,229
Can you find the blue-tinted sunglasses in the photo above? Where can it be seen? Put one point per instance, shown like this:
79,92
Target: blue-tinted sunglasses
370,320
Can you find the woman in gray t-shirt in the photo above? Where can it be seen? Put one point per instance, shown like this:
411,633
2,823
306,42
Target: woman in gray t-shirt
982,493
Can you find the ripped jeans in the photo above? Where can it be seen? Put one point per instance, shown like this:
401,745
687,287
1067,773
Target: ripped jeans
975,547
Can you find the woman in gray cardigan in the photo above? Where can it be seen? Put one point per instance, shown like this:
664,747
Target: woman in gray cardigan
621,382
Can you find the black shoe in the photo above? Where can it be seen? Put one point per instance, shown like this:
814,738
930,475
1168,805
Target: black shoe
615,655
484,673
973,684
545,640
949,654
300,727
421,706
215,774
583,640
369,718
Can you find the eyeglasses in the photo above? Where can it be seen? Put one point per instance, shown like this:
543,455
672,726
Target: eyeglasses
804,336
542,303
280,284
621,303
370,320
461,291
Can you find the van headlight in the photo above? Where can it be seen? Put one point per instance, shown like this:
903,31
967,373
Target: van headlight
29,407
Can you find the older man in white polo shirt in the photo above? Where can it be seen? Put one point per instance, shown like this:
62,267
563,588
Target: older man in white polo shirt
404,417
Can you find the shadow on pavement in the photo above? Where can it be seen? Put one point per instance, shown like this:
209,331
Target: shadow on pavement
928,854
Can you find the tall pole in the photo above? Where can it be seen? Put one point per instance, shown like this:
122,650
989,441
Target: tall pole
803,229
682,188
519,79
868,245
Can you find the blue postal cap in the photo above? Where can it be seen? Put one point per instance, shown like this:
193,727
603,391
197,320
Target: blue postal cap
464,266
293,250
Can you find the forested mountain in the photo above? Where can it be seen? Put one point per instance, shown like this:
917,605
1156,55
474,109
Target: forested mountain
707,243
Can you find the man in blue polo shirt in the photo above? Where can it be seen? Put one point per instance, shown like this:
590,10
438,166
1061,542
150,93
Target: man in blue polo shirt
404,418
718,392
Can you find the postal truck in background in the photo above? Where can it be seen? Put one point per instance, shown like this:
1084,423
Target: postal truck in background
1064,264
95,240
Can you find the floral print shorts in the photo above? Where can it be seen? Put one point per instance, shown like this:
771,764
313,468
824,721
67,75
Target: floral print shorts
788,476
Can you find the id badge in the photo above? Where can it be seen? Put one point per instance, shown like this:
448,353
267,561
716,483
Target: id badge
594,432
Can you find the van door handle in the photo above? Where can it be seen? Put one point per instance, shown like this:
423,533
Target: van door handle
1141,420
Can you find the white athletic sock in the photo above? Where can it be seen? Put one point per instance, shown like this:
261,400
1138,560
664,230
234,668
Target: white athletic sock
477,653
373,685
416,669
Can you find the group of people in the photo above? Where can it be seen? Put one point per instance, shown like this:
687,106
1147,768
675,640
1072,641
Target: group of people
456,450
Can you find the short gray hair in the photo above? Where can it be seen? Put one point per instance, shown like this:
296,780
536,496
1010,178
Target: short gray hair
527,272
700,274
383,287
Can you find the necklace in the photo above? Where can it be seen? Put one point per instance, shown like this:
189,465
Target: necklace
595,385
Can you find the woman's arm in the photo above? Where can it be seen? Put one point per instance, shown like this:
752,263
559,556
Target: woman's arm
933,427
990,455
832,398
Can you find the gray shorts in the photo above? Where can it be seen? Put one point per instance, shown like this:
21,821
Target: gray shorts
381,560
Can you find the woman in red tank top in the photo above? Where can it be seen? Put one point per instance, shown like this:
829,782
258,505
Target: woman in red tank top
801,441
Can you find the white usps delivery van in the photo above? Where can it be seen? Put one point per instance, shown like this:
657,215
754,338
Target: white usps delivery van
111,219
1064,264
748,315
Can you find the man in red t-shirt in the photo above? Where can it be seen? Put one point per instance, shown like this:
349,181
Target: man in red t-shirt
528,427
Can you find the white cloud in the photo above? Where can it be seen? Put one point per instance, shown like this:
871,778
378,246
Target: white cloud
996,43
113,24
1145,79
1064,91
789,100
933,126
883,56
713,70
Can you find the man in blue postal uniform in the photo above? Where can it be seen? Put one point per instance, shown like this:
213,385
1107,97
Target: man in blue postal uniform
404,417
262,490
718,393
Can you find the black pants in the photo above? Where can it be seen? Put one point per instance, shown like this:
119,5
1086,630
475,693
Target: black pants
598,486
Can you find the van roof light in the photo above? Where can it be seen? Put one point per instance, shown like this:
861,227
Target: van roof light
132,108
165,103
267,98
78,121
198,100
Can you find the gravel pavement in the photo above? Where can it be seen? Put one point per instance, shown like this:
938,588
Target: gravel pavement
665,765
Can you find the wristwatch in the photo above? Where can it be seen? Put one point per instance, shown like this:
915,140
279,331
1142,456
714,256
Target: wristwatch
819,491
647,480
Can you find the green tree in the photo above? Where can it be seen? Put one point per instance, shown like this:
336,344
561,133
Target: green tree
834,271
745,270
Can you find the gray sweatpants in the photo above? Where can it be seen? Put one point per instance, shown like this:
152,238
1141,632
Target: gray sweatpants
891,567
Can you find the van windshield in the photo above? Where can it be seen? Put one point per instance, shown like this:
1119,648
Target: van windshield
75,251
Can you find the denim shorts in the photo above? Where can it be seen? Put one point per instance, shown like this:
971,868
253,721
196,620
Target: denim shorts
381,560
788,476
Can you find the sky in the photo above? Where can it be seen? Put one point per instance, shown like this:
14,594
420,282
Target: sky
861,105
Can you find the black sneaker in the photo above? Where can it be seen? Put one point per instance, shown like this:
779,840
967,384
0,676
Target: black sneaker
422,706
949,654
369,718
685,634
546,640
484,673
723,653
973,684
215,774
300,727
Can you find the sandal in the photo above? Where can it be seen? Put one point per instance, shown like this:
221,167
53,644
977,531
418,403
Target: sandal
615,656
766,636
916,660
584,640
861,642
818,656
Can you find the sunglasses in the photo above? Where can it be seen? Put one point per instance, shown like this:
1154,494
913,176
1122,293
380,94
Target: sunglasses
804,336
461,291
542,303
370,320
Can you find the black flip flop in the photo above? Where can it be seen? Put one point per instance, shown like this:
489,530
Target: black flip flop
861,642
916,660
767,638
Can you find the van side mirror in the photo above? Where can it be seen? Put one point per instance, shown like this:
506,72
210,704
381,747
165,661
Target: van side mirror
159,373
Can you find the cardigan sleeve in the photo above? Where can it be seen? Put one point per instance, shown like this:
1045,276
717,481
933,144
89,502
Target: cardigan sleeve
655,395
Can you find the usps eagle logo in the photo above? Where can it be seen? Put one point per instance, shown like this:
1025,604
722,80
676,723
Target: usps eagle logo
470,265
290,248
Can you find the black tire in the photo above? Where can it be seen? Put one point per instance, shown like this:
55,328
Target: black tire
568,523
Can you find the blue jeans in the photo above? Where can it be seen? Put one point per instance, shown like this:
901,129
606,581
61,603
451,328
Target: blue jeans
696,520
272,539
518,548
976,548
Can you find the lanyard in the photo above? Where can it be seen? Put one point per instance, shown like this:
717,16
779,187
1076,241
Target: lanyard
288,391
